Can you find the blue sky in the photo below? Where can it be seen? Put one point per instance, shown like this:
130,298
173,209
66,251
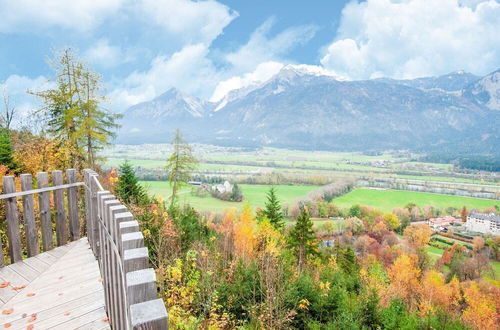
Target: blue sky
207,48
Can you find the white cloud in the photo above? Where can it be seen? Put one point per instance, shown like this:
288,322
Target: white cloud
413,38
105,55
16,88
261,48
263,72
188,69
193,21
81,15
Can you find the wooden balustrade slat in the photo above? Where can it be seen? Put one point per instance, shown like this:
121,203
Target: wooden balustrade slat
149,315
74,225
61,229
44,209
12,217
29,216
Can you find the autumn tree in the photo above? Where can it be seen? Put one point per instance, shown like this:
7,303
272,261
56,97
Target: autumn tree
463,214
180,164
244,234
302,238
404,277
73,108
481,311
391,220
273,210
418,235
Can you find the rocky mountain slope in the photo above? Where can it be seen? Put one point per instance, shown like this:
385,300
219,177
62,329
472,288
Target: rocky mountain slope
301,109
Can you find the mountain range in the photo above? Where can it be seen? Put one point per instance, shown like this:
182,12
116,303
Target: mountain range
300,108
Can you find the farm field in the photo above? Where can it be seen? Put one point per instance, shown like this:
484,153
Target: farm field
255,195
386,200
266,160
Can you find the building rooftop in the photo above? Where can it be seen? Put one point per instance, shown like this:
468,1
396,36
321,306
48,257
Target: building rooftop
484,216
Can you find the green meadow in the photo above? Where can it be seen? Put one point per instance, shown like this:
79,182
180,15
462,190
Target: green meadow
386,200
254,195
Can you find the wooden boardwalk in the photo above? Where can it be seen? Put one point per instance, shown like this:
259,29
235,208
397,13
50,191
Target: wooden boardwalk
58,289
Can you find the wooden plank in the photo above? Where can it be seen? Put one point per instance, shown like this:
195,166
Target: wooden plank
77,323
74,226
36,264
12,220
149,315
25,270
47,316
29,216
61,230
45,216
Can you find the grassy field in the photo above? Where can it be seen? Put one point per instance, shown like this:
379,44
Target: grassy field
386,200
255,195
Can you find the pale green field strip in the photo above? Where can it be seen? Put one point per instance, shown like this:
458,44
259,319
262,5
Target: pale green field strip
255,195
386,200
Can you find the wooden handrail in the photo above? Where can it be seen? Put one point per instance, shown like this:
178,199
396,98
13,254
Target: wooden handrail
130,287
41,190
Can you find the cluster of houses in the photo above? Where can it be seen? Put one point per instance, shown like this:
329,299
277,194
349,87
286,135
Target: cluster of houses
476,223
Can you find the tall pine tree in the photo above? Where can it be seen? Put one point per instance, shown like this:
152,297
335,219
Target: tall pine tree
302,238
128,187
273,210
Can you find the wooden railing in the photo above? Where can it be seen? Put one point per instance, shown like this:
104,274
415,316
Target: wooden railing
32,245
130,289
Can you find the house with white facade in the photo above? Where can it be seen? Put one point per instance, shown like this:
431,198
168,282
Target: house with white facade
483,223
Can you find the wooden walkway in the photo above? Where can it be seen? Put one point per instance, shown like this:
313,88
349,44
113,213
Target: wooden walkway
58,289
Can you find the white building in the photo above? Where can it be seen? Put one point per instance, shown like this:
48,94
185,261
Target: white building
483,223
223,188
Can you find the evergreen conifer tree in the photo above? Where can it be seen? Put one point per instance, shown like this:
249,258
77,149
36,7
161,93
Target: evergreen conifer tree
273,210
128,187
6,150
303,239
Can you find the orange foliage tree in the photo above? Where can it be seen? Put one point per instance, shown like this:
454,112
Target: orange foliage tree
418,235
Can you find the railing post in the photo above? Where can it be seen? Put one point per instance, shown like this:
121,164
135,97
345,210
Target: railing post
61,230
88,206
12,220
45,216
94,226
74,224
29,216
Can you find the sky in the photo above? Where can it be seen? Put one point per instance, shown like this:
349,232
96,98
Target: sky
207,48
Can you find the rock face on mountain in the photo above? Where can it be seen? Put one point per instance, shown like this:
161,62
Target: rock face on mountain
301,109
485,91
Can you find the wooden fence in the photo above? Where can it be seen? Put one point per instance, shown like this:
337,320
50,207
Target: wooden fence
130,289
27,193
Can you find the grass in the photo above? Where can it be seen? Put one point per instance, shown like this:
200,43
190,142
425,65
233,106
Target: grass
255,195
386,200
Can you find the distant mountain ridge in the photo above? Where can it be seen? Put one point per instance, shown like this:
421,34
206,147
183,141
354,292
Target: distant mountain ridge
301,108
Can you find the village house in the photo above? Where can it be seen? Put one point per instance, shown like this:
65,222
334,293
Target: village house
483,223
443,222
226,187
